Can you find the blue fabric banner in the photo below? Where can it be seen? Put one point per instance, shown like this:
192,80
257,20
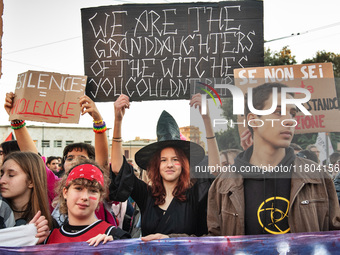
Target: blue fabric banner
302,243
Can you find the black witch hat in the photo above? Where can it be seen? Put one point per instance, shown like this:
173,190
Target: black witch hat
168,135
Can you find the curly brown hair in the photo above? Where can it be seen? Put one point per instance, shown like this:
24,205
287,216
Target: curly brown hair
157,187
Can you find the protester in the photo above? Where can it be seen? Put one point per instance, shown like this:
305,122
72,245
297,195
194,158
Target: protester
80,193
171,203
6,214
267,199
335,171
8,147
314,148
72,152
308,155
213,152
23,184
296,147
7,219
52,164
337,185
228,156
334,167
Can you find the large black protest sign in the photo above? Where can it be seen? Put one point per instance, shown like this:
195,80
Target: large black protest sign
159,51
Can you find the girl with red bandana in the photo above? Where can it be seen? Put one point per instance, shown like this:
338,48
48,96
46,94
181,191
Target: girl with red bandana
81,191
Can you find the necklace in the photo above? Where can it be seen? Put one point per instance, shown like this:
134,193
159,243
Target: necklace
19,211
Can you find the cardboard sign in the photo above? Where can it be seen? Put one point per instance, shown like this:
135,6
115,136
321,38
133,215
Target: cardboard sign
157,51
48,97
318,79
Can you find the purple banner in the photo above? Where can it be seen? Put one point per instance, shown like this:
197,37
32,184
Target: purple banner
302,243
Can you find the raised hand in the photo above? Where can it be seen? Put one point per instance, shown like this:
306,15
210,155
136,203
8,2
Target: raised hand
196,101
246,139
9,102
88,106
120,105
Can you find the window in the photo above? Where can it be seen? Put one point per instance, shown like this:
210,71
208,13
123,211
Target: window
68,142
57,143
126,153
45,143
88,142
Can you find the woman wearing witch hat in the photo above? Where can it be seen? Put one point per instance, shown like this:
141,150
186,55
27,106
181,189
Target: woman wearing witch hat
171,203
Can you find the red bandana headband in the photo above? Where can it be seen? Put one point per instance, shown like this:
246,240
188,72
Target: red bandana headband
86,171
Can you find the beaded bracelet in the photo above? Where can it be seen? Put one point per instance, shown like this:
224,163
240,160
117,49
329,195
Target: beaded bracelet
98,121
99,128
18,124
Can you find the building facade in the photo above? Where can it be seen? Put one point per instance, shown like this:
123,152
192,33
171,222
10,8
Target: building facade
51,140
192,134
130,148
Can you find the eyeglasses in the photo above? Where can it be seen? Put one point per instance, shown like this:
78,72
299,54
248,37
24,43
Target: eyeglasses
71,158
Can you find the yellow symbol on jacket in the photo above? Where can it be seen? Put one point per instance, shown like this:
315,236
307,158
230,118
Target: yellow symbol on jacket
276,215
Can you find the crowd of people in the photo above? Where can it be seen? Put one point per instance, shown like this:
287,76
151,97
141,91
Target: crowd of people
84,195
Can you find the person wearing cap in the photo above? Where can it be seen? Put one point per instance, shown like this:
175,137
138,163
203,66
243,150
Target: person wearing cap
80,194
171,203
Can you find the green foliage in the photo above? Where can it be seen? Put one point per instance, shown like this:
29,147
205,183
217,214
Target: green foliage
305,139
335,138
324,57
230,138
227,109
283,57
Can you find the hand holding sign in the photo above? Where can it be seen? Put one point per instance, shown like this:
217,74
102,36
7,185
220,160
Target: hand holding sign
120,105
9,102
88,106
196,101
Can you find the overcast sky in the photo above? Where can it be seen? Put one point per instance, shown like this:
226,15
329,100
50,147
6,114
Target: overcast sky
46,35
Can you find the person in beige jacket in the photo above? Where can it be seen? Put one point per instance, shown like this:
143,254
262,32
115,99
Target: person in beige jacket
269,190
